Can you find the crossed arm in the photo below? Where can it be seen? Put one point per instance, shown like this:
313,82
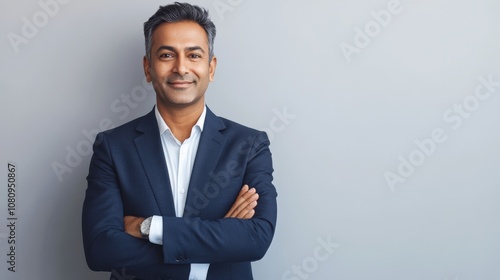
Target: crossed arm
243,208
243,234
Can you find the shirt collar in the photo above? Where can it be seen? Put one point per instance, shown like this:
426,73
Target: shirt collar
162,126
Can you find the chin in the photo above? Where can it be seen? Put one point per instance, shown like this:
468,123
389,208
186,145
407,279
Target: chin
180,99
183,103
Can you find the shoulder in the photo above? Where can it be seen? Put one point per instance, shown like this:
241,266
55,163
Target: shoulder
239,133
228,127
237,127
131,129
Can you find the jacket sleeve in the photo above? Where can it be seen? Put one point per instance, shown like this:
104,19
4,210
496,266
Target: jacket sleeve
186,240
194,240
107,246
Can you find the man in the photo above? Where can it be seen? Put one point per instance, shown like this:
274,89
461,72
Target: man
173,194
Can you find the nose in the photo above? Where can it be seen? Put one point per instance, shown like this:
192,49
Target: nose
180,66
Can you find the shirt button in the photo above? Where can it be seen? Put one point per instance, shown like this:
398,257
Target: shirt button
182,191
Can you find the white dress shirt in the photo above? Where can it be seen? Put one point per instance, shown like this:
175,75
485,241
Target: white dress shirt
180,159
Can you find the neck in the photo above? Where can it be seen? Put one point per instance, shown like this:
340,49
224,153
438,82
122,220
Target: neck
181,120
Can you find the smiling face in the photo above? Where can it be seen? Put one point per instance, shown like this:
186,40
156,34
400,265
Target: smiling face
179,68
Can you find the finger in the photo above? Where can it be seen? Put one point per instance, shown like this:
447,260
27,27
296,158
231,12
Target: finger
246,214
242,212
248,193
247,204
243,195
250,214
243,190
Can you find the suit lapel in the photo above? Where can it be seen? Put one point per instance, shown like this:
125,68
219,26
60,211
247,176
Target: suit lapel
210,148
153,161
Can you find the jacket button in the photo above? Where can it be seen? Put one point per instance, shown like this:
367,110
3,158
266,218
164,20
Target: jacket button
181,259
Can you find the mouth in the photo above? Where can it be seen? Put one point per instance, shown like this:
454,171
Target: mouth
180,84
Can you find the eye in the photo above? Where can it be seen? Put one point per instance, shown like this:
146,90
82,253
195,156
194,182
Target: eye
166,55
194,56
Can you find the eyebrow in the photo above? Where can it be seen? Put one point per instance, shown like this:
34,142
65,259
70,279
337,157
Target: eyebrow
170,48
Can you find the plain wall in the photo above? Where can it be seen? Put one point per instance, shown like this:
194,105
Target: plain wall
384,119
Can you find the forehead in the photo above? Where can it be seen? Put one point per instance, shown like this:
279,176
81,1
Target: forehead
180,34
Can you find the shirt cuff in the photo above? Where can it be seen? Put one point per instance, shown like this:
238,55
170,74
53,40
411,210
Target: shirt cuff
199,271
156,230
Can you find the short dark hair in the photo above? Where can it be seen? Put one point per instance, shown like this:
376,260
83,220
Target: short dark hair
177,12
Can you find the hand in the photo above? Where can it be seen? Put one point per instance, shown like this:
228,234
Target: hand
243,207
133,225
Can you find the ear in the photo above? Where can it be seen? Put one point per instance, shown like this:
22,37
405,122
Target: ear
147,67
211,67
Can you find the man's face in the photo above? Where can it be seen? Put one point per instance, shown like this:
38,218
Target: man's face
179,68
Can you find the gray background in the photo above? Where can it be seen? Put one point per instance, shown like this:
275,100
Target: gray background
350,119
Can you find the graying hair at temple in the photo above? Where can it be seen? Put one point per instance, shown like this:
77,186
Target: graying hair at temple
178,12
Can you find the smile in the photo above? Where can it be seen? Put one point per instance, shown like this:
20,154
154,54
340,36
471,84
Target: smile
180,84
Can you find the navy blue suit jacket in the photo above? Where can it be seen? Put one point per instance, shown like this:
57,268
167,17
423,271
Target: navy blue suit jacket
128,176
